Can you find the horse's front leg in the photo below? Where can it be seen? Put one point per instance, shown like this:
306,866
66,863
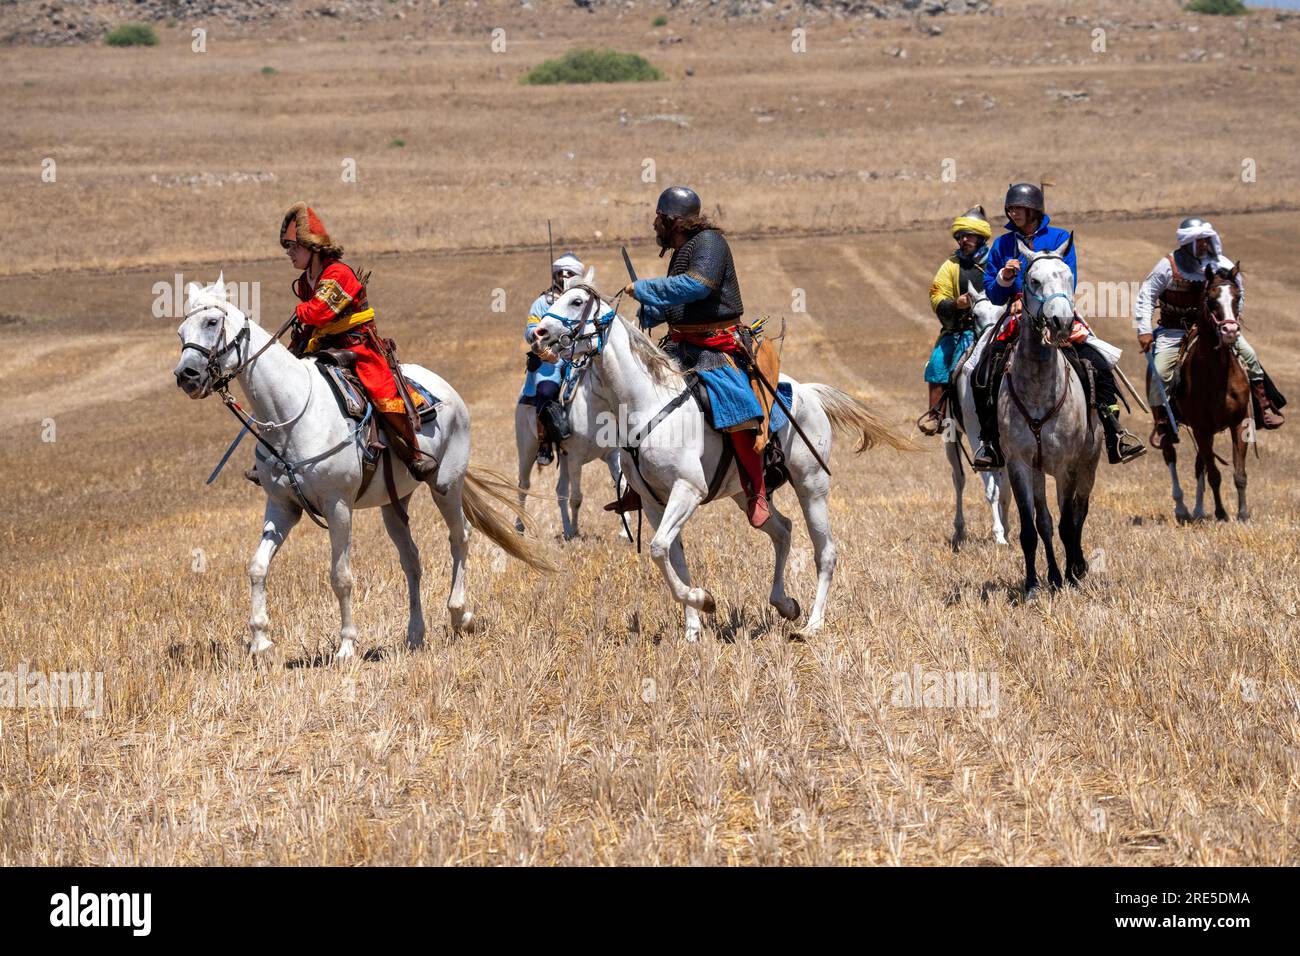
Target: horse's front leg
277,521
568,489
1198,512
1170,455
1022,486
409,555
339,514
777,527
1043,522
681,505
1239,467
958,487
1206,442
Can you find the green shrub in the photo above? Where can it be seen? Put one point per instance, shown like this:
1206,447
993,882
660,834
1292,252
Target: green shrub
659,21
396,143
1221,8
593,66
132,34
268,71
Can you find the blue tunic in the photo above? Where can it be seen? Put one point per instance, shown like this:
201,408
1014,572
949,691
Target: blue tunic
1045,239
729,390
552,372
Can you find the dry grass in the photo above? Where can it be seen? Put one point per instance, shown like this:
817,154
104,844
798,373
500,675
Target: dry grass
1150,717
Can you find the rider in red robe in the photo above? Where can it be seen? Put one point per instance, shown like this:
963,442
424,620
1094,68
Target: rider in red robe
334,314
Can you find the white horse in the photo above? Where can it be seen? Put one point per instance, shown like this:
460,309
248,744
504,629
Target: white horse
1046,427
968,424
577,450
679,455
297,415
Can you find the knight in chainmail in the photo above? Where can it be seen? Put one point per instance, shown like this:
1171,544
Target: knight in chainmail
1177,285
700,302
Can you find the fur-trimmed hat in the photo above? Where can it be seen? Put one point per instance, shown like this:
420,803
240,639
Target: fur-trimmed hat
302,225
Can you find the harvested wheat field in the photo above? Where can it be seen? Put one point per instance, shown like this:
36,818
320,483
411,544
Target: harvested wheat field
1150,716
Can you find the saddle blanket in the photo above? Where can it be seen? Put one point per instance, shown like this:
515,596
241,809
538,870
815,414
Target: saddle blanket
353,401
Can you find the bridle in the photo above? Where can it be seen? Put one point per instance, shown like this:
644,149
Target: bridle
1226,325
217,382
1037,318
572,336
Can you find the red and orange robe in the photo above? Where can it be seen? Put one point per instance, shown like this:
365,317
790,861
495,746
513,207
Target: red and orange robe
334,314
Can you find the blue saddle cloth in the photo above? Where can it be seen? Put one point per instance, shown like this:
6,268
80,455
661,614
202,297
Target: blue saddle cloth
734,402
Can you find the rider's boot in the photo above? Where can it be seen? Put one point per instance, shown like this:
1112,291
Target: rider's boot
932,420
630,501
1270,417
1122,446
404,443
1163,435
750,466
545,453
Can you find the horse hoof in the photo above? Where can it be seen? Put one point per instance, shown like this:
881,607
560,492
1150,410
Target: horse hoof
1000,539
463,622
702,600
259,645
414,642
1221,516
1032,593
347,650
788,609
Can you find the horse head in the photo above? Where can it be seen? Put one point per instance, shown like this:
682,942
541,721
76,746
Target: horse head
213,335
1221,310
1049,290
574,326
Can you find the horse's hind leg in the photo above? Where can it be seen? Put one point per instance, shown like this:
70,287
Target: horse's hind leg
526,445
777,527
409,555
565,488
1198,512
340,528
277,522
816,515
1239,468
958,487
1073,511
453,514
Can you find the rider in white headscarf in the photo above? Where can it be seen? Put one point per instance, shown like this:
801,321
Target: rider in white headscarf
1175,284
544,379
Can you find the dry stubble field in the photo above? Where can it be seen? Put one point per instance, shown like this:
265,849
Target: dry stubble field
1150,717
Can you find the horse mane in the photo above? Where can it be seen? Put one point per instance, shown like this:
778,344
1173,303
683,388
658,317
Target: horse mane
656,361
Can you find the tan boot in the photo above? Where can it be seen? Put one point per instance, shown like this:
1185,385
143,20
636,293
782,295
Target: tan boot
1270,417
403,442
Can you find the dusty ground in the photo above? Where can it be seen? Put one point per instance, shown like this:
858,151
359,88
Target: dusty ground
1150,717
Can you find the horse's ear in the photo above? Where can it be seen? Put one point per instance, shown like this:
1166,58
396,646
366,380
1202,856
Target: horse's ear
590,277
193,291
1209,274
219,287
1064,248
1236,271
1026,252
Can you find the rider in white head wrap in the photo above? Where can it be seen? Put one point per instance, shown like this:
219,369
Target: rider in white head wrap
1173,285
542,383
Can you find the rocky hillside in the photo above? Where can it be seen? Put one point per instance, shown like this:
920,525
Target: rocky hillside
62,22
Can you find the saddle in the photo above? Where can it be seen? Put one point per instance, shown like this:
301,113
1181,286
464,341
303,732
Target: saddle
338,368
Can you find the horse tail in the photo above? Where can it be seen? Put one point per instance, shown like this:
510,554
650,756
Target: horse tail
849,414
482,487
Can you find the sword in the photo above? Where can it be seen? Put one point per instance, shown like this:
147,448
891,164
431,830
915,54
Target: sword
776,397
1119,372
627,261
1160,385
226,457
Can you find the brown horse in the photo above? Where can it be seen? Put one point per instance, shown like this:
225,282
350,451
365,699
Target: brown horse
1213,394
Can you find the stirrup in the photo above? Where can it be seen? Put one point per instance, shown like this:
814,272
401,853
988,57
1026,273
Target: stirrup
931,422
545,453
1123,454
988,458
